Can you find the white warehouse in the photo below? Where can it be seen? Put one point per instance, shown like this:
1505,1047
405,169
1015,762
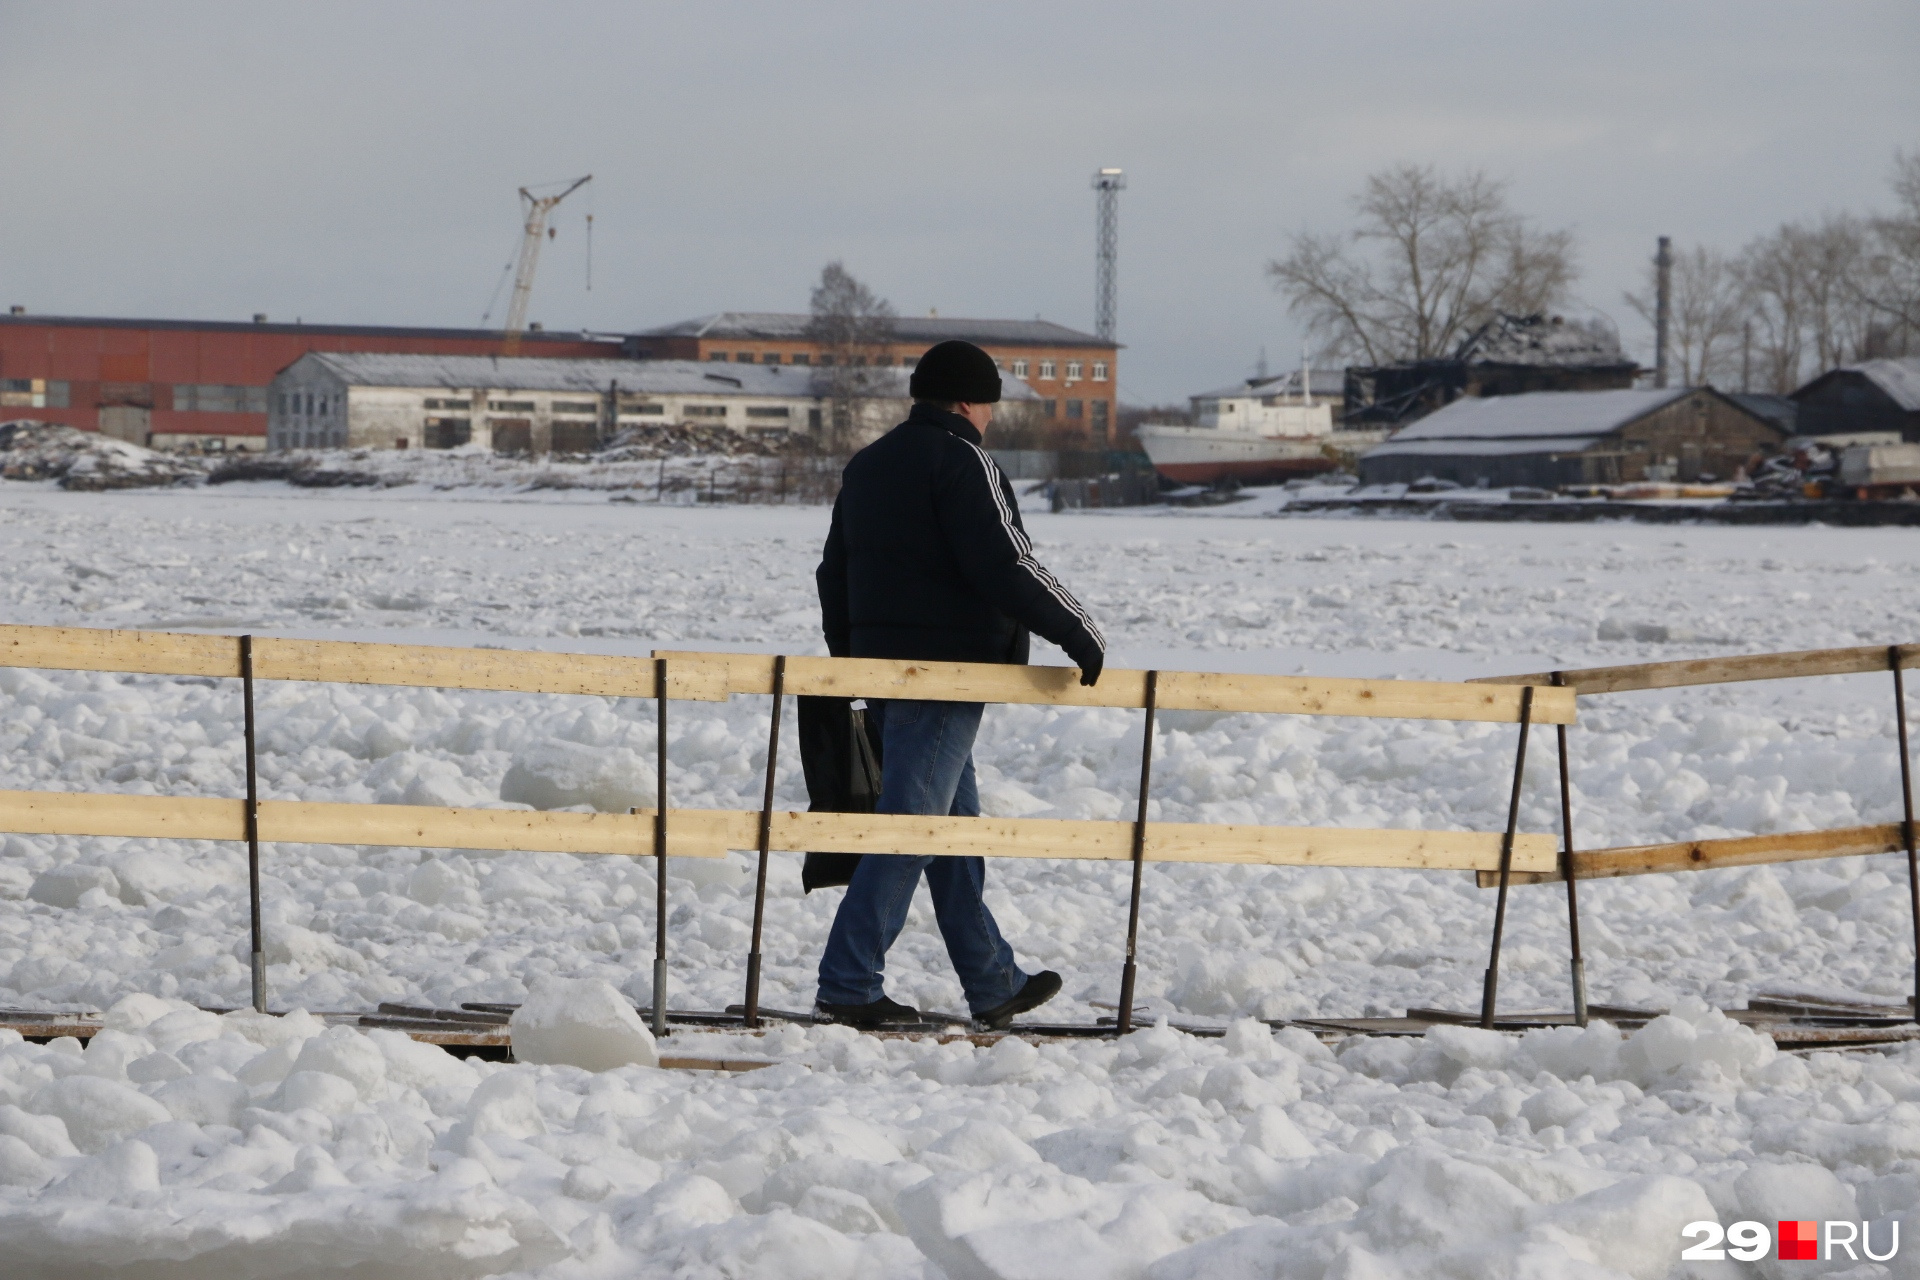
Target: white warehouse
335,400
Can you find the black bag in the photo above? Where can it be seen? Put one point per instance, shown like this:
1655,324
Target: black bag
840,756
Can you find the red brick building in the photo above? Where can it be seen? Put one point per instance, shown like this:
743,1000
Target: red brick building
1075,374
175,383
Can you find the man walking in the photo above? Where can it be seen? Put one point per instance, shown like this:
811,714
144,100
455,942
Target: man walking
927,559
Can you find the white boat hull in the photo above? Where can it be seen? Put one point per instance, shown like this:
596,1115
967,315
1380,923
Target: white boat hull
1208,455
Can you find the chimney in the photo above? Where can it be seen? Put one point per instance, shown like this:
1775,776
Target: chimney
259,317
16,310
1662,308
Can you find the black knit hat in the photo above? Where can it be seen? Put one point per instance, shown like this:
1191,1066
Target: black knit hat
956,372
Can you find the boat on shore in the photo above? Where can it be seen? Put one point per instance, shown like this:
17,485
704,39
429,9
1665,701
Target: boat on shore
1285,442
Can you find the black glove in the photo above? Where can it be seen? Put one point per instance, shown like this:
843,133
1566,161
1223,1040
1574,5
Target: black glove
1090,667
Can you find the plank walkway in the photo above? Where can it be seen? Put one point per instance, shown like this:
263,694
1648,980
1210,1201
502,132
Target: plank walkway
1794,1020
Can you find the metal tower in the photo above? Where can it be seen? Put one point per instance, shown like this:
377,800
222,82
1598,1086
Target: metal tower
1109,183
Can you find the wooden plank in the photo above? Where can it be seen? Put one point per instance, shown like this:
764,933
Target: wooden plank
157,653
1708,855
510,670
1178,690
81,813
1728,670
1166,841
691,833
709,833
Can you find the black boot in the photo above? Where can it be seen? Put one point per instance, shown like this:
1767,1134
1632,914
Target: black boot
1040,988
875,1013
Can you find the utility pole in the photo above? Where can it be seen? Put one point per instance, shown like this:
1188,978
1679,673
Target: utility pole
1746,356
1109,183
1663,308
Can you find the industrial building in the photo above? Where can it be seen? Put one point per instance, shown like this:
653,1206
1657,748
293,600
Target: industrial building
1075,375
1508,355
1550,438
329,400
198,383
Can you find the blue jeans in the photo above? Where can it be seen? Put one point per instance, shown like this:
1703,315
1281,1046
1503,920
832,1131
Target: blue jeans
928,768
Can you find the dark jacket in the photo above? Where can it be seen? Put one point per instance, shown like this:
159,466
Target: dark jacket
927,557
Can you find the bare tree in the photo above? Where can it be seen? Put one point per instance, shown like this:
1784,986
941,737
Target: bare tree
1431,259
1890,281
854,329
1804,291
1709,307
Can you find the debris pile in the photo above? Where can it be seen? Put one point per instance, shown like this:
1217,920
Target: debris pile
89,461
686,440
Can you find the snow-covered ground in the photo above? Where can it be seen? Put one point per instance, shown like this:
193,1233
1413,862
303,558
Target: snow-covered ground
1415,1158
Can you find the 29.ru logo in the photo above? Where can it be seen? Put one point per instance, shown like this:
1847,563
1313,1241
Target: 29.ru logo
1799,1241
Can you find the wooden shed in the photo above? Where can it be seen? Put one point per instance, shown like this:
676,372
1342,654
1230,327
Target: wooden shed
1552,438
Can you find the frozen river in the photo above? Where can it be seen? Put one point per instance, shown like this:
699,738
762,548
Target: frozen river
1213,591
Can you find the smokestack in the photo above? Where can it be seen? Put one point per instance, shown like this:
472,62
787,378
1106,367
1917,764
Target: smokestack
1663,309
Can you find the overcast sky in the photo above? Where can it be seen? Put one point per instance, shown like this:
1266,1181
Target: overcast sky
357,162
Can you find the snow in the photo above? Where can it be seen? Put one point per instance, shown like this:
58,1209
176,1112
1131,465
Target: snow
241,1145
583,1023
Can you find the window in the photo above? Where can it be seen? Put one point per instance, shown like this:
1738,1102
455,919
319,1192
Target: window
743,357
801,357
1099,370
768,411
1074,408
1046,370
771,357
38,393
575,406
512,406
1073,370
643,410
883,361
1099,412
1051,405
1019,368
704,410
449,404
826,360
211,397
813,419
716,355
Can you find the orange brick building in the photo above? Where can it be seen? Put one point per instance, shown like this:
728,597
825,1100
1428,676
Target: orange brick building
1075,374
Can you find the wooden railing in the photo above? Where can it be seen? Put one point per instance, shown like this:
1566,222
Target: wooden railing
1737,851
710,833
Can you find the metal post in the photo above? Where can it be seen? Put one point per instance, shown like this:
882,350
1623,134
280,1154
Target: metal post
1906,827
766,842
1490,991
1579,968
1124,1022
259,956
660,850
1662,308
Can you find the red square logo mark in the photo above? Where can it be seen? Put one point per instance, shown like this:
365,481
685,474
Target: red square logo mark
1799,1241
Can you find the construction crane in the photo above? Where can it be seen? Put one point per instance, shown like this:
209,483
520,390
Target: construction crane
538,207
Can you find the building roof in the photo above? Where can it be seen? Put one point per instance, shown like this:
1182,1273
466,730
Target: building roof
1540,340
1533,422
1900,379
644,377
1782,411
1325,382
792,327
305,330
